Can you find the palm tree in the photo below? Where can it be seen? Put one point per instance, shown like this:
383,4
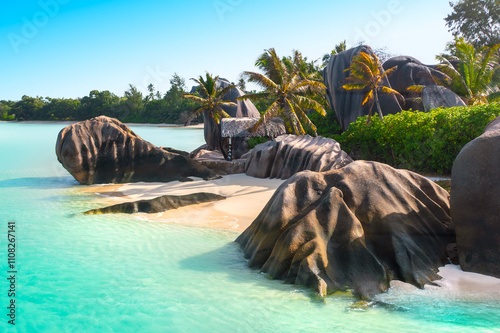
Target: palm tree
211,104
474,73
366,74
342,46
286,86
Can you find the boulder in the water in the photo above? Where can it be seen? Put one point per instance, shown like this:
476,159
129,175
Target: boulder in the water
354,228
104,150
157,205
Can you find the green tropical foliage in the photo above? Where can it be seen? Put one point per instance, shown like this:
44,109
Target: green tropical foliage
474,72
210,99
290,84
366,76
419,141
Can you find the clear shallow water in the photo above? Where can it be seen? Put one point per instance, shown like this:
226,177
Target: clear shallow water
118,274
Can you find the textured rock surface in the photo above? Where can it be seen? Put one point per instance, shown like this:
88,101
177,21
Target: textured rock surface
357,227
475,202
103,150
410,72
435,96
347,104
216,162
158,205
289,154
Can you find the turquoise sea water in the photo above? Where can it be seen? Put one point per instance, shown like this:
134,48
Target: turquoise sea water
114,273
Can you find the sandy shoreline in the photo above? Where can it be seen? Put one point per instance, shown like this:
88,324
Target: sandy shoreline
245,198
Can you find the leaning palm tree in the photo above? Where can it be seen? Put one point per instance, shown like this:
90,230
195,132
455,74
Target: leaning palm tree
474,73
211,101
366,75
287,88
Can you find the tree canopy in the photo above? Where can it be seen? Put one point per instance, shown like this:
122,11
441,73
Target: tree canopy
478,21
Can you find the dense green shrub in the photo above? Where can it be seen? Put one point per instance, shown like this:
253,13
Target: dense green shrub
419,141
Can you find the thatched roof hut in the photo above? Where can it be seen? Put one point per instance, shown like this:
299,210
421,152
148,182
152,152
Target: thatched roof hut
239,128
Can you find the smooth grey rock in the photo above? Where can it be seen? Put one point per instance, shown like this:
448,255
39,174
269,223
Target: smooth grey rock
435,96
289,154
475,202
157,205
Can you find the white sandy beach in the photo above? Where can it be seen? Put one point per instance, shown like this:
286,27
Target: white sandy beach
245,198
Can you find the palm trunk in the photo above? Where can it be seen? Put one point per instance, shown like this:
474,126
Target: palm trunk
379,110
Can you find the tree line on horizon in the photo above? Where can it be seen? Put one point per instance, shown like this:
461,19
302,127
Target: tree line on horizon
471,62
132,107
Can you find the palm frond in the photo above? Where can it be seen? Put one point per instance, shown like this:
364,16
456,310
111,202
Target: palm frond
262,81
195,98
354,86
310,103
368,97
194,113
390,91
256,96
270,112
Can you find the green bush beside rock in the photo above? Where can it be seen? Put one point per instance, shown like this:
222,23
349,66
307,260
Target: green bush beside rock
419,141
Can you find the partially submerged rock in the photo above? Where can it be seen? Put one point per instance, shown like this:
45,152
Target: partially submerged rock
104,150
289,154
475,202
158,205
354,228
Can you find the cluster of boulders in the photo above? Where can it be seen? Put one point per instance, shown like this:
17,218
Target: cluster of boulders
409,73
335,224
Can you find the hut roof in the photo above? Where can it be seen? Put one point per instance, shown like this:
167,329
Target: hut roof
238,128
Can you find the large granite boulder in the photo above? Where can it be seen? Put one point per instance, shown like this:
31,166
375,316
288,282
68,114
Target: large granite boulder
434,96
243,108
347,104
411,72
289,154
475,202
104,150
354,228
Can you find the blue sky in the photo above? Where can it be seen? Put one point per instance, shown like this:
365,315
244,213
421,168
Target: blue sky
66,48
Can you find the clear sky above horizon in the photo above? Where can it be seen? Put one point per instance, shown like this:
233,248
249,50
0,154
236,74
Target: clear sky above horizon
66,48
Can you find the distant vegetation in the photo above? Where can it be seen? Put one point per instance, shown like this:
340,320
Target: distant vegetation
131,107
